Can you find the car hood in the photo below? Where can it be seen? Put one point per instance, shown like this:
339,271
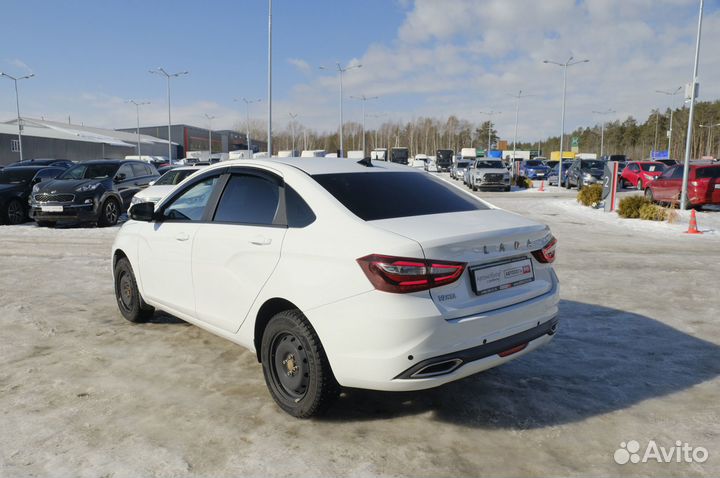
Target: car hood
67,185
154,192
594,172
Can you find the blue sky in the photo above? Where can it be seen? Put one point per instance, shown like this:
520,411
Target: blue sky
422,57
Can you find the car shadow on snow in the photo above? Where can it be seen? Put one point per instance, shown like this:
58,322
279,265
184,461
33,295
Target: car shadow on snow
601,360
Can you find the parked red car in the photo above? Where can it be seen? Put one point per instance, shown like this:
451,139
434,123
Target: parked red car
638,174
703,185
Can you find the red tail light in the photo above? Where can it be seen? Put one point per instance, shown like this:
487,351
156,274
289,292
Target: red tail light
402,274
547,254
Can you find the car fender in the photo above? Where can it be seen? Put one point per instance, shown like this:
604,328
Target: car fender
110,194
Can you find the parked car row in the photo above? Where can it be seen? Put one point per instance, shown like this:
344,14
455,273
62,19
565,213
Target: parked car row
703,186
481,173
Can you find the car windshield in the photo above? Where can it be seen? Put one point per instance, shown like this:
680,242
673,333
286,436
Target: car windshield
533,163
386,195
592,164
174,177
16,175
90,171
711,172
489,165
653,167
463,164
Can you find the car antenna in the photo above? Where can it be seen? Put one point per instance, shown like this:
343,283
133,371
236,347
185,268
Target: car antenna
366,162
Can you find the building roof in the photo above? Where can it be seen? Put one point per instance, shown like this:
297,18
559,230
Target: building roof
73,132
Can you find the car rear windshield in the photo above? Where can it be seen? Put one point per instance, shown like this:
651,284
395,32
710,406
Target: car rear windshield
711,172
90,171
173,177
386,195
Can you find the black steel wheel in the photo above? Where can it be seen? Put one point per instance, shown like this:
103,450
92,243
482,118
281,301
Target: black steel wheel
131,305
15,212
109,213
296,369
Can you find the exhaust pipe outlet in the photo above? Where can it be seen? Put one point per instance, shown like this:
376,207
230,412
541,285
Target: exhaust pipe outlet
438,368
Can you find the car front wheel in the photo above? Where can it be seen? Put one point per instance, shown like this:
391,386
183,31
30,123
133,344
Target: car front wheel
640,185
296,369
109,213
649,195
131,305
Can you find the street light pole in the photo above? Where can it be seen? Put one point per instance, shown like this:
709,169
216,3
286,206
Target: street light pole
341,70
17,104
161,71
670,132
364,99
565,66
137,112
247,116
602,129
269,86
688,140
209,118
292,129
490,114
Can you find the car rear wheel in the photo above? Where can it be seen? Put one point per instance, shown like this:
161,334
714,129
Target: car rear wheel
15,212
296,369
109,213
131,305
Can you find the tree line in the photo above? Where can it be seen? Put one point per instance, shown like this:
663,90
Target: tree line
426,135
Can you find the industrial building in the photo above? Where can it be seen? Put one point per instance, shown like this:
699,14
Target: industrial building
50,139
192,138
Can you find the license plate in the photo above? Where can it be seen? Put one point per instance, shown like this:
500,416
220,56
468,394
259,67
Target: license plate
51,208
540,174
717,186
496,277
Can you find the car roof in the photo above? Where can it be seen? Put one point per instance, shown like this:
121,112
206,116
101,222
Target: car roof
111,161
313,166
36,167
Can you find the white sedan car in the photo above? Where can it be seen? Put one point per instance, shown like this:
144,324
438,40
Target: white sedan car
165,183
341,273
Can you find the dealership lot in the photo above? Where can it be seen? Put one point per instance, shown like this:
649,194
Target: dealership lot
636,358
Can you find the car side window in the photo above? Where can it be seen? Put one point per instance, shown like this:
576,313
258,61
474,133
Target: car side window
139,170
190,205
299,213
125,171
248,199
678,173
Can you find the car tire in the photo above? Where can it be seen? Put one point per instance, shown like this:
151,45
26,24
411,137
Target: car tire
640,185
507,189
580,185
14,213
127,295
296,369
109,213
45,223
649,195
567,183
474,186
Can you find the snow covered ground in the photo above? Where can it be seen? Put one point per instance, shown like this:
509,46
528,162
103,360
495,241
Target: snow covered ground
637,357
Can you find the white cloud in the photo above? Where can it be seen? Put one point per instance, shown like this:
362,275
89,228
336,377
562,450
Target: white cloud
300,64
464,56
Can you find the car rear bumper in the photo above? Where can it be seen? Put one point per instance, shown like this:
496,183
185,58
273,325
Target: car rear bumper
381,341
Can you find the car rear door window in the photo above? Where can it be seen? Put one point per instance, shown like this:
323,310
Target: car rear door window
384,195
248,199
139,170
125,172
190,205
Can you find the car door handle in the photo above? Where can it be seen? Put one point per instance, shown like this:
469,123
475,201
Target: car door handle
183,236
261,241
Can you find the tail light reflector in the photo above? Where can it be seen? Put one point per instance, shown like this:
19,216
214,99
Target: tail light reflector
547,254
402,274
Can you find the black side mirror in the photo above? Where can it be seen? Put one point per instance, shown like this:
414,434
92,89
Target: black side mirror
36,180
144,211
120,177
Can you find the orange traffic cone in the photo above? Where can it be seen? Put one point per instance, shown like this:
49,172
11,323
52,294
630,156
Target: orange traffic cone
692,228
542,187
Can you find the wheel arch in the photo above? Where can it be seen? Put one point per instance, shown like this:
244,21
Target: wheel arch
266,312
